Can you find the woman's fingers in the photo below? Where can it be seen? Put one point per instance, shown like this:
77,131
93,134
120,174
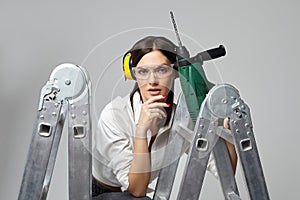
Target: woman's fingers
158,105
155,98
158,111
157,108
226,123
156,115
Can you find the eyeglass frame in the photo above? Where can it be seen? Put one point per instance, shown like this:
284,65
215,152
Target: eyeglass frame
152,71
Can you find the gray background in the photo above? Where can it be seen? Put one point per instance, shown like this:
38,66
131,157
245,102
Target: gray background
261,38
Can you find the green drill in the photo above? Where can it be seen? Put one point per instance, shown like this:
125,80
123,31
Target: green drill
192,77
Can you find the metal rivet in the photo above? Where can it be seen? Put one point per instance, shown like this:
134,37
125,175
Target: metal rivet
54,114
237,130
247,125
235,122
56,105
67,82
84,122
42,117
239,114
210,131
243,107
248,133
73,106
84,112
73,116
224,101
199,134
201,126
44,108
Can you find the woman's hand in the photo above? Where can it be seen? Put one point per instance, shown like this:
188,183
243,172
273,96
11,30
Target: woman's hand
152,110
139,174
230,147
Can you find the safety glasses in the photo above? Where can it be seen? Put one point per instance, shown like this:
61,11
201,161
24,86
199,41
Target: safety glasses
159,71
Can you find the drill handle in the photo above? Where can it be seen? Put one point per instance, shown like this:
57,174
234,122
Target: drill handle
211,53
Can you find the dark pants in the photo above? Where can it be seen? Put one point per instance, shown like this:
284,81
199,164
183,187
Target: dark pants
102,193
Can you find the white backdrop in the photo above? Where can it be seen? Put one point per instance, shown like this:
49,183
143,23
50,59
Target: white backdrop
262,42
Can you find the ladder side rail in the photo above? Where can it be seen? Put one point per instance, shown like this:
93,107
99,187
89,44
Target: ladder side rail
225,170
79,150
248,153
175,148
40,150
196,164
166,181
51,164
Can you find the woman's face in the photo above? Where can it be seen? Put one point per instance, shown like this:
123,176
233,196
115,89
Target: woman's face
158,81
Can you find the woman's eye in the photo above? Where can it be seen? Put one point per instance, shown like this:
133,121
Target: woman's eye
142,71
162,70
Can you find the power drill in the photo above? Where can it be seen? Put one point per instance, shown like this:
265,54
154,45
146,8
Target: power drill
192,77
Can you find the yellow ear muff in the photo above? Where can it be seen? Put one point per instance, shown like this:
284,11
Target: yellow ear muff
127,67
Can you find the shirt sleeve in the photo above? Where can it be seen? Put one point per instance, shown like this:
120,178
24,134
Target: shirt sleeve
211,166
114,143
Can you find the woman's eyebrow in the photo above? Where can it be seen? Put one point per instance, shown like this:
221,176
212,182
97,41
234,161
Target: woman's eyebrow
153,65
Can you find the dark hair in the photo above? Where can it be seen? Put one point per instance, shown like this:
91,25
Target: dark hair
151,43
146,45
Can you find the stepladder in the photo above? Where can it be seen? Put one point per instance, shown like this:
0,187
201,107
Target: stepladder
65,97
207,138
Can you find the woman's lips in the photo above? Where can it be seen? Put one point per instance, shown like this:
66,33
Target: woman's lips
154,92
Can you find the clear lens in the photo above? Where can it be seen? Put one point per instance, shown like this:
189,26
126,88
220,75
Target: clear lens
160,71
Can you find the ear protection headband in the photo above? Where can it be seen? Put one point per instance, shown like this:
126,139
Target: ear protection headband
127,66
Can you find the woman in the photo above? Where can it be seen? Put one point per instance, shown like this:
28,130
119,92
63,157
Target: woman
134,129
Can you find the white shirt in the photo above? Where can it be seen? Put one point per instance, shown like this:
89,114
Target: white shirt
113,148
